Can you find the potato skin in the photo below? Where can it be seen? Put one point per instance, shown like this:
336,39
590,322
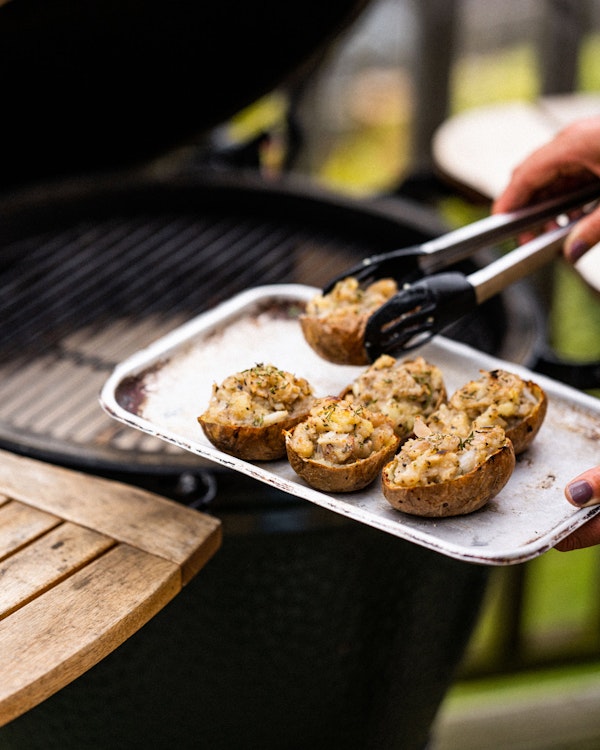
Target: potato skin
346,478
337,339
523,434
459,496
250,443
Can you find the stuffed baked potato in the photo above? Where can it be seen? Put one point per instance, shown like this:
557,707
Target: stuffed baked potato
334,324
499,398
439,475
340,447
249,411
401,391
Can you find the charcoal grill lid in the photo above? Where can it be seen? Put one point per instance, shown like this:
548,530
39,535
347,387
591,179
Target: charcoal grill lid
100,84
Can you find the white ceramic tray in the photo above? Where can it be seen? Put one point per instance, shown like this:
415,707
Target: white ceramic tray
162,389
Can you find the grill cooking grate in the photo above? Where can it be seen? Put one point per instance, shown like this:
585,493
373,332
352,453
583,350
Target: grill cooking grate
89,275
75,302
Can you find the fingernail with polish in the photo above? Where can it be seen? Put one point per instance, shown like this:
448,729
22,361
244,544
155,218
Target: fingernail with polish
580,492
577,249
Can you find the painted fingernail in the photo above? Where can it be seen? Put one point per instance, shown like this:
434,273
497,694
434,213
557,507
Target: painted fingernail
580,492
577,249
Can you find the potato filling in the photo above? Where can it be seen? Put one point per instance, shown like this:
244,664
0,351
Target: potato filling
496,398
258,397
450,421
348,298
339,433
400,390
437,458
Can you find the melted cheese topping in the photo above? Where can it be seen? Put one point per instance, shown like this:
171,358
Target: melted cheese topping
258,396
348,298
439,458
338,433
400,390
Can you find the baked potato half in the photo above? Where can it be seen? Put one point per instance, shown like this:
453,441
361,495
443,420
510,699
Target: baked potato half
438,475
334,324
401,390
501,398
249,411
340,447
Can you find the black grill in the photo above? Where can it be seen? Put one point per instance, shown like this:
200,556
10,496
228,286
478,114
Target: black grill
105,273
86,278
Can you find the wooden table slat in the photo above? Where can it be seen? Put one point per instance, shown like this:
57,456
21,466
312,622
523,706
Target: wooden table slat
50,559
175,529
20,524
86,563
53,639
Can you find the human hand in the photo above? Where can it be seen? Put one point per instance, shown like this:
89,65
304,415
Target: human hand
570,160
583,491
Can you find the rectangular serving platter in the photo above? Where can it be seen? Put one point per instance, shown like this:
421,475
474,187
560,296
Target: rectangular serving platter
162,389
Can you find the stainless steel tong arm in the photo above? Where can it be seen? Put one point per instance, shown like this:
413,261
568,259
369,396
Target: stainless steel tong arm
428,306
442,251
518,263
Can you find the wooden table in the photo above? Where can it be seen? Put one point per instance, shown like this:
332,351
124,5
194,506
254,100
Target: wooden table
84,563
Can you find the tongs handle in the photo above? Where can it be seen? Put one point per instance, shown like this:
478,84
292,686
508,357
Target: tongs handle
442,251
518,263
407,264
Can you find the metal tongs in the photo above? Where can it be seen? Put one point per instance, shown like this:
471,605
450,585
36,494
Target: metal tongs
427,304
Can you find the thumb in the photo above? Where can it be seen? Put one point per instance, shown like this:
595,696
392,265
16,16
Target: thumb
584,490
585,234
